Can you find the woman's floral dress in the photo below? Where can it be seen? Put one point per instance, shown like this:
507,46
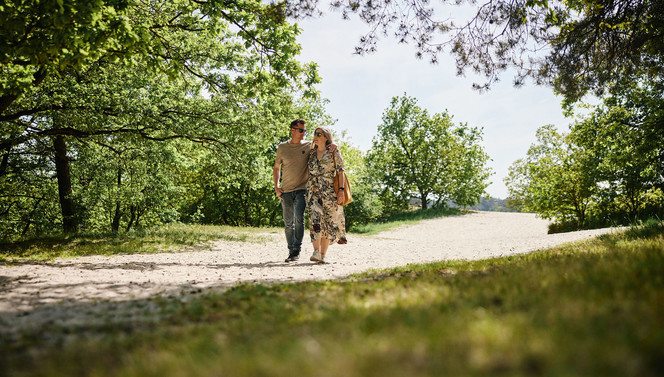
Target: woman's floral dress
326,217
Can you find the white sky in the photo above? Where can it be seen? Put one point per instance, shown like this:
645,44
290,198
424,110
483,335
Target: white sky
360,89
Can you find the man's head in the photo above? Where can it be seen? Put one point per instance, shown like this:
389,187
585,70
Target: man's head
298,129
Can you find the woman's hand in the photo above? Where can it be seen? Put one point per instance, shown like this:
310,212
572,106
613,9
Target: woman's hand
340,197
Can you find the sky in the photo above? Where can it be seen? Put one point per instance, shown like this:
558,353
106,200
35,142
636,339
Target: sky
360,88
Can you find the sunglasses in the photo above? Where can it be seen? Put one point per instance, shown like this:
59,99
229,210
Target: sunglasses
301,130
318,134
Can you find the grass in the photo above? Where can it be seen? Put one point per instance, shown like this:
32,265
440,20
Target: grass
406,218
172,237
594,308
166,238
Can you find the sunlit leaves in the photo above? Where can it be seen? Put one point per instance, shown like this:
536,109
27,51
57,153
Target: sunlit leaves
608,169
46,36
575,46
425,156
555,178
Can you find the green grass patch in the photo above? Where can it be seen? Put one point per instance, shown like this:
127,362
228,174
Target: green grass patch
594,308
165,238
406,218
172,237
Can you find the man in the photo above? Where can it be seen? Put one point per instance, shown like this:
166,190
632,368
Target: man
292,157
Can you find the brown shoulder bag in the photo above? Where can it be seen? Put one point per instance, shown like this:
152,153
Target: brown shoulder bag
348,197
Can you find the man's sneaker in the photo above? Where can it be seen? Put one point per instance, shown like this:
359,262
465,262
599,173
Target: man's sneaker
315,257
292,258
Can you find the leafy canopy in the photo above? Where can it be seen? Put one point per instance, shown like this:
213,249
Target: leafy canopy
42,38
576,46
423,155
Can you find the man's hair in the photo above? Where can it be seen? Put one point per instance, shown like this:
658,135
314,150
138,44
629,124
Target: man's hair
296,122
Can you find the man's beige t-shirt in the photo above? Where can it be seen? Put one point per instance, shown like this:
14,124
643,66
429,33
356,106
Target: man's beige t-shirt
293,159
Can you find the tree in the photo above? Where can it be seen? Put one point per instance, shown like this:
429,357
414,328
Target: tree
626,135
468,183
576,46
555,180
415,153
42,38
366,206
28,195
609,169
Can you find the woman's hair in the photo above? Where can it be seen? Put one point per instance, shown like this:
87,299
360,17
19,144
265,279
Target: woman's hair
327,133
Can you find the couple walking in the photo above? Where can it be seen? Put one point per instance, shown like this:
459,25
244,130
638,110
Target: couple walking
307,171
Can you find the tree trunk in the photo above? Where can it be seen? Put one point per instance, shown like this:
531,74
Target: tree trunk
5,163
63,171
139,213
245,206
425,202
33,213
132,211
115,224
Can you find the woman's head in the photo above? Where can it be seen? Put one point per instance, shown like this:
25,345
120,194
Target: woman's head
323,132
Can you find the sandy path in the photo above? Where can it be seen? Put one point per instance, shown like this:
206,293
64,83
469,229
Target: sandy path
41,293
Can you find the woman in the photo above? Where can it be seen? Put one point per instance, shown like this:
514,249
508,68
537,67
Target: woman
326,215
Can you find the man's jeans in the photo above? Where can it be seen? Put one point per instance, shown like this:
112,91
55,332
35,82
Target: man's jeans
292,205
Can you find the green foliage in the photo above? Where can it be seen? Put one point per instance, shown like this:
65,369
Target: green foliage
553,180
176,37
420,155
607,171
405,218
575,46
626,136
366,207
197,82
513,316
41,37
594,50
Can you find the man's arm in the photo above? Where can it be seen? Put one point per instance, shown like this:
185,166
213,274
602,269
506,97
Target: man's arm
340,194
332,147
276,173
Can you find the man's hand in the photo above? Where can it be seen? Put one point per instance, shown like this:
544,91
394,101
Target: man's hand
279,191
332,147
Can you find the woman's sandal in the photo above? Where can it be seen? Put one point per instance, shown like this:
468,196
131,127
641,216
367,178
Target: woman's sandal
316,257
